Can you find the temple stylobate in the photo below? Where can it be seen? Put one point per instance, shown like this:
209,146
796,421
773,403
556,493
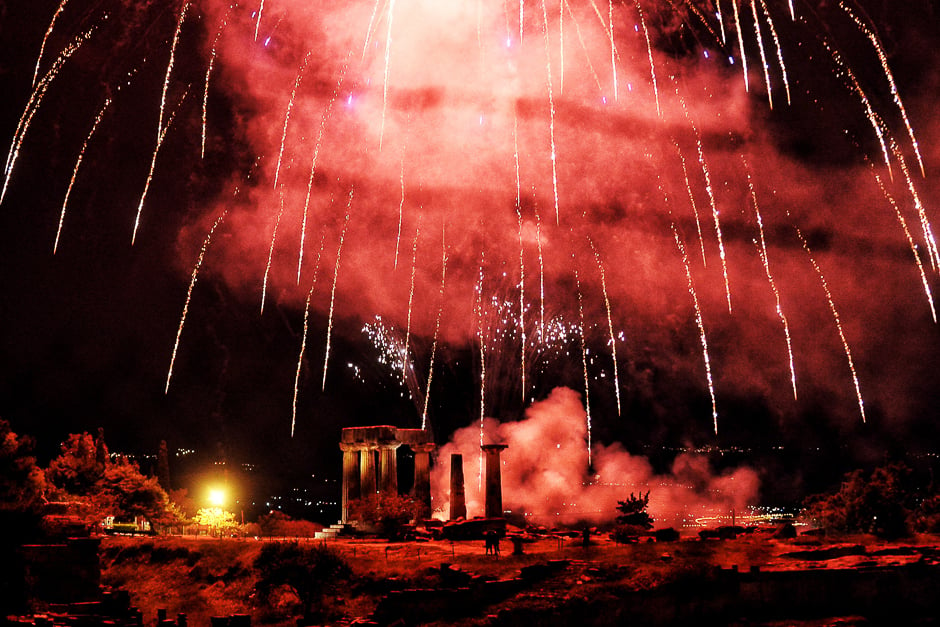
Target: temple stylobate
362,477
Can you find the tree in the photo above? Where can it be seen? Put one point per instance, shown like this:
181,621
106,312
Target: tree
218,520
633,511
163,466
881,503
22,482
76,471
132,494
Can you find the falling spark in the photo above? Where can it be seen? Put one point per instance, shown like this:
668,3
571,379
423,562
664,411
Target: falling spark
388,58
369,30
910,242
169,68
613,49
610,324
411,297
737,22
205,94
712,201
401,206
189,296
32,106
883,59
587,56
873,118
258,21
267,267
721,22
762,252
551,104
838,321
649,50
521,294
700,323
521,24
688,187
339,251
290,106
313,163
773,32
763,54
561,46
921,212
538,240
437,328
45,38
691,6
303,339
78,163
587,388
153,165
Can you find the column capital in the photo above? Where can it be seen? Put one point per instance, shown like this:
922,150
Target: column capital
347,447
387,444
425,447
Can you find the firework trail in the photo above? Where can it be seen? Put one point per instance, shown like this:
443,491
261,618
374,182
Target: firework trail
401,205
411,297
45,38
649,51
610,324
737,23
290,106
521,299
479,311
388,58
584,368
910,242
837,319
32,106
169,69
437,328
551,105
205,94
853,85
883,59
258,21
688,187
921,212
700,323
763,54
773,32
313,163
153,165
792,14
721,21
78,163
339,252
521,24
762,252
369,30
538,240
303,340
587,57
704,20
189,296
711,199
267,267
613,49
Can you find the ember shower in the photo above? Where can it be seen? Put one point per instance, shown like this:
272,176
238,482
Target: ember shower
675,208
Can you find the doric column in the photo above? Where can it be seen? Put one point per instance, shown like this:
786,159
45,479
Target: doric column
494,488
350,477
388,467
367,471
458,501
422,485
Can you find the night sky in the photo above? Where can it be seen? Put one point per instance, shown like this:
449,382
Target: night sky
557,182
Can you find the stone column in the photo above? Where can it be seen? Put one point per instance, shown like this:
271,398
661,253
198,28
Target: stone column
367,471
422,485
388,467
458,501
493,481
350,477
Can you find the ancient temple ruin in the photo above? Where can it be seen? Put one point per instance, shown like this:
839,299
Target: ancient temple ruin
362,477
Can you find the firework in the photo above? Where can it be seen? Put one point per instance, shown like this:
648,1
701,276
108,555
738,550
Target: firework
303,340
339,252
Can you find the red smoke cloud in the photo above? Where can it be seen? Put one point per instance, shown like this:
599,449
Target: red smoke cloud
545,472
440,121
